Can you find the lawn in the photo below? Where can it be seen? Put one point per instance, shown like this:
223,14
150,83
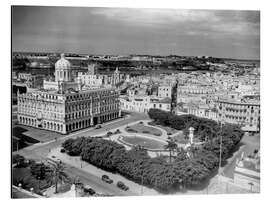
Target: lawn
141,128
145,142
168,129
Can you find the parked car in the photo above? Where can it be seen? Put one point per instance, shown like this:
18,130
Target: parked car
122,186
89,190
106,179
98,127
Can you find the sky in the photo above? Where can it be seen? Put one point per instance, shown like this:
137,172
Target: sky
123,31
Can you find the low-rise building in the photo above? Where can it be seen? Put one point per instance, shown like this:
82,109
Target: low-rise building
244,113
142,104
165,91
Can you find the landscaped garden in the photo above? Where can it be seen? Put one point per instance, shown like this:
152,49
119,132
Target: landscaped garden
147,143
169,130
187,169
141,128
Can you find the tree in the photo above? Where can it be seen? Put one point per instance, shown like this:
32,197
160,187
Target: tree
171,146
135,164
59,174
18,160
40,170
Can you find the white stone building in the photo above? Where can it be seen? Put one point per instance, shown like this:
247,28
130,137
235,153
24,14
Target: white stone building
143,103
165,91
65,107
246,114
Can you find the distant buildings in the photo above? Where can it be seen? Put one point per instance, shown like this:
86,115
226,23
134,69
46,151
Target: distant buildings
90,79
165,91
142,104
64,106
28,79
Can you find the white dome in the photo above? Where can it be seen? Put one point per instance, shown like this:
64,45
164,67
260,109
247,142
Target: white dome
62,63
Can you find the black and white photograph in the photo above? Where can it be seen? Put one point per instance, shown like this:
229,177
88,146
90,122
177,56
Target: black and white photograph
114,101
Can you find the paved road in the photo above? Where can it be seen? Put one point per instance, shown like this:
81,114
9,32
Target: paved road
96,183
40,151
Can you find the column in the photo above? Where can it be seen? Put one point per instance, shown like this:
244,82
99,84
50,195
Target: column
91,121
64,128
119,114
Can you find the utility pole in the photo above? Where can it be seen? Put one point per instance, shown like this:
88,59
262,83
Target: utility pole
220,148
220,152
17,143
142,183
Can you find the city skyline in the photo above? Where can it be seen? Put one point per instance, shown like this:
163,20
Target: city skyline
217,33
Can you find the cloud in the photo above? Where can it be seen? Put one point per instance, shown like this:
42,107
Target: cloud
198,22
153,16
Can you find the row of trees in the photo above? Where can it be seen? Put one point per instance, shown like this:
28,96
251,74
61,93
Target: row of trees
187,169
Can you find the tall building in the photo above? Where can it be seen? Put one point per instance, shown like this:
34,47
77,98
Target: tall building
66,107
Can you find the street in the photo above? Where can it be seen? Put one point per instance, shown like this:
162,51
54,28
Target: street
96,183
40,151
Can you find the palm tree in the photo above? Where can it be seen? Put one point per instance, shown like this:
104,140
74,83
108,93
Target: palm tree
171,146
59,174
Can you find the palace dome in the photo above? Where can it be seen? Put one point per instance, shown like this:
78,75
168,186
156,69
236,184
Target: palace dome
62,63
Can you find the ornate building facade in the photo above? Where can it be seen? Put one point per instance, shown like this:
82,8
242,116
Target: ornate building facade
246,114
66,109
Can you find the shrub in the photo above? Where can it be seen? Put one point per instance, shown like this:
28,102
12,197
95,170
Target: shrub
132,130
117,131
62,150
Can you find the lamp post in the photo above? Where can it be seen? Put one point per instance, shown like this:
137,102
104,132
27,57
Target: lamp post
39,182
251,185
17,144
220,147
141,166
142,183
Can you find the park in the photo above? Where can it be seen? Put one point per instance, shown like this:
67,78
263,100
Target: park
178,168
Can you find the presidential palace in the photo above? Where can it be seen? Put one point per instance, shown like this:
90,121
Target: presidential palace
64,105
